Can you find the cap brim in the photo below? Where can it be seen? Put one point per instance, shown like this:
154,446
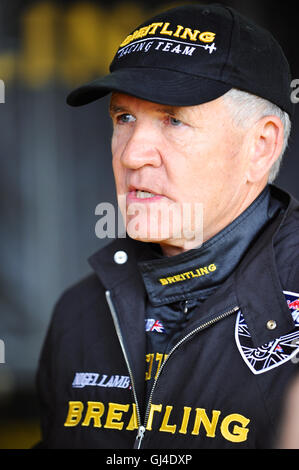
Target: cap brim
156,85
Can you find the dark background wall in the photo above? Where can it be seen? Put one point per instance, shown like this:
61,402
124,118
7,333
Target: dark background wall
56,166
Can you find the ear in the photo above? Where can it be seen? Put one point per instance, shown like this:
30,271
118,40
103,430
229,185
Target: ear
266,141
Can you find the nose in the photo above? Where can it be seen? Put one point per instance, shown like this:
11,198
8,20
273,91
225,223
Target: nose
142,147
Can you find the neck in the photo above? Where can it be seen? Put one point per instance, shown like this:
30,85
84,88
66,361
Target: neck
215,225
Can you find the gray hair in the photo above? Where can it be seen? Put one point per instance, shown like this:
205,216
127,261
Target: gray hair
248,108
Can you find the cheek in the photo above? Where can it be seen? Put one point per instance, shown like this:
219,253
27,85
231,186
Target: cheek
114,147
116,150
118,172
203,176
119,176
119,142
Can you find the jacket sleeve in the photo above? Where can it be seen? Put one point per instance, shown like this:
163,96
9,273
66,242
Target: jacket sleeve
57,347
45,383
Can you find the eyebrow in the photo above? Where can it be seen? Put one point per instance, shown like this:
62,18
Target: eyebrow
114,109
172,110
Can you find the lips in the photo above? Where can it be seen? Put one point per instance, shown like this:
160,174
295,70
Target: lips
142,194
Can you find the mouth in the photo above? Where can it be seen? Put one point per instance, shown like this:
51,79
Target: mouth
142,195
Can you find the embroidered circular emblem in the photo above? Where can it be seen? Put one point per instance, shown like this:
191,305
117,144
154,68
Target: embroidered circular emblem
274,353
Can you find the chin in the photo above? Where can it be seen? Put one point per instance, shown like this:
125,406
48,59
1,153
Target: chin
141,236
150,230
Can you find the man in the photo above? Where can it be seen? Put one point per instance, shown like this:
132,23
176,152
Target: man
184,334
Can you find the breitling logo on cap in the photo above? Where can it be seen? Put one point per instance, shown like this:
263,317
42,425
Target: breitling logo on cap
165,37
164,28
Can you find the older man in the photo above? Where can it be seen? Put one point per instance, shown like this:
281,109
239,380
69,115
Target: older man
186,333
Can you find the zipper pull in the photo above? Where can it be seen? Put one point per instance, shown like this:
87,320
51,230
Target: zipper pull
186,307
139,437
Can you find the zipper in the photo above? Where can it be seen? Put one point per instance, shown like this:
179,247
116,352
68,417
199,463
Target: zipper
185,338
142,428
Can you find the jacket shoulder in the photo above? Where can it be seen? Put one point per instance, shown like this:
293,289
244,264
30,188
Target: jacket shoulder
80,293
76,301
286,246
86,300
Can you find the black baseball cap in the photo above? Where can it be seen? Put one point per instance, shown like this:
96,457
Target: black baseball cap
193,54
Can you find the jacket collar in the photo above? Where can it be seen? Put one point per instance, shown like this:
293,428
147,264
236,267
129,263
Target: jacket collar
254,285
196,273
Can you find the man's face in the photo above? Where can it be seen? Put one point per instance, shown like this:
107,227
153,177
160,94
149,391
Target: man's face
169,160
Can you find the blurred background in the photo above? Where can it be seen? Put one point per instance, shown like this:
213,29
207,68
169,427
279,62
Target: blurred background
56,167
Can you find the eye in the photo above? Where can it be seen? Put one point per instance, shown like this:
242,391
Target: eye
175,122
125,118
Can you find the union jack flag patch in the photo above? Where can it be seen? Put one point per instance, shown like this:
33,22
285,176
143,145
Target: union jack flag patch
274,353
154,325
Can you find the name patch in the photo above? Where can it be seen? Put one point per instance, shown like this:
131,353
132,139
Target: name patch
93,379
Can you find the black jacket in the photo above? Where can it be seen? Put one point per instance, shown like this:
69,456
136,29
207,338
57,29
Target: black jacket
221,386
